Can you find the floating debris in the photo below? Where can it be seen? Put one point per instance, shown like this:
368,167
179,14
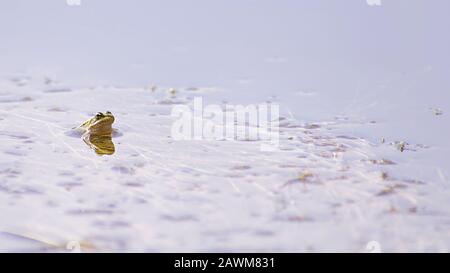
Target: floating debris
56,109
241,167
305,176
382,161
312,126
413,210
306,93
414,181
347,137
192,89
401,146
391,189
299,218
386,191
437,111
13,99
172,92
21,81
422,146
58,90
47,81
392,209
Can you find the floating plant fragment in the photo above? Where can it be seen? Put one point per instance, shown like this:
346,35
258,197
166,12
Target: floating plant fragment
172,92
437,111
305,175
382,162
401,146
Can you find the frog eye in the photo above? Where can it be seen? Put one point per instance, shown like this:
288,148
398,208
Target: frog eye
99,115
108,113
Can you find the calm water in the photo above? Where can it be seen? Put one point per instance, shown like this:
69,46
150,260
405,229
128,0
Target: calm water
358,73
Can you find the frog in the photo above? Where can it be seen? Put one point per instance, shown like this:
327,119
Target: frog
98,133
99,125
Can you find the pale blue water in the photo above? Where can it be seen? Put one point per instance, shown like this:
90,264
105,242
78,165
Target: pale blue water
360,59
382,67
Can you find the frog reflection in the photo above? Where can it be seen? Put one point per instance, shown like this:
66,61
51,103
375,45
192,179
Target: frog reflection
102,145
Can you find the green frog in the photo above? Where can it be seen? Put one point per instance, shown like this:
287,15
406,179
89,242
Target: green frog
100,124
98,133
